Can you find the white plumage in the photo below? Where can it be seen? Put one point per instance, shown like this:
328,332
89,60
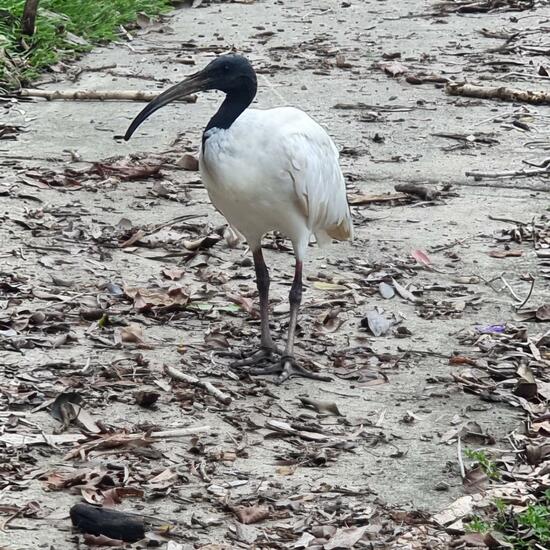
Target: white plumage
277,169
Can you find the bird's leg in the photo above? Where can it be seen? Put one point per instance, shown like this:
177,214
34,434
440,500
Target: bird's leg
267,347
289,368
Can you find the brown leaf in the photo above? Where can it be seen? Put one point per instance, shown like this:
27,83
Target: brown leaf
188,162
165,479
393,68
526,386
246,303
321,406
132,334
543,313
475,480
250,514
346,538
173,273
114,496
146,298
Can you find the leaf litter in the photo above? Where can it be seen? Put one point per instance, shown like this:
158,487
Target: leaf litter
198,298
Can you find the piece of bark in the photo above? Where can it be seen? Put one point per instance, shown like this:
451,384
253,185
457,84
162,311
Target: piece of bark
97,95
29,17
418,191
501,93
104,521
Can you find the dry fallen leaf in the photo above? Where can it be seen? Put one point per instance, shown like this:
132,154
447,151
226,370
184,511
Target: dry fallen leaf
146,298
403,292
132,334
188,162
376,323
173,273
393,68
346,538
250,514
321,406
422,258
475,481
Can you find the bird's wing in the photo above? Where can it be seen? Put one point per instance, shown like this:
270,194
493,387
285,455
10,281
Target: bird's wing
318,181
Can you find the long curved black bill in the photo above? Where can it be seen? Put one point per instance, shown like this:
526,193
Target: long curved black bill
197,82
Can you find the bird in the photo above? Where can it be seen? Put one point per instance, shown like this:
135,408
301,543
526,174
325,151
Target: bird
266,170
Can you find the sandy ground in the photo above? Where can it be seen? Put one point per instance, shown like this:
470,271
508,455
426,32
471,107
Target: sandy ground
60,247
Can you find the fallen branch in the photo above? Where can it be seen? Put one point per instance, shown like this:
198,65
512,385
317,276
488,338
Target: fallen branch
417,190
194,381
502,93
96,95
180,432
510,173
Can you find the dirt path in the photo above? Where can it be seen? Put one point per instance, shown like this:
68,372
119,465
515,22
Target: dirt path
63,268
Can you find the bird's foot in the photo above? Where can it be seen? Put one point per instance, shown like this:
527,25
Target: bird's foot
266,354
288,368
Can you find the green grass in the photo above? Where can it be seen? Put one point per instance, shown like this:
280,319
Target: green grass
486,464
527,530
23,58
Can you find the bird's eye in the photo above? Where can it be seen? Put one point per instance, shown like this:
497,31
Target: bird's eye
226,67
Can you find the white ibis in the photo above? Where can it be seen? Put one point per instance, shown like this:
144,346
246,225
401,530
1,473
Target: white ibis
265,170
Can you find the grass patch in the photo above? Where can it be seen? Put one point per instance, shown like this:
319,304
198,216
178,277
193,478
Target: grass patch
486,464
64,29
527,530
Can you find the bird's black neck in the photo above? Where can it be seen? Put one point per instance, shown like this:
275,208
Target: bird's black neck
235,102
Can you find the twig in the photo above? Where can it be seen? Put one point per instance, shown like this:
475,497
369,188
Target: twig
97,95
194,381
509,174
181,432
502,93
460,461
507,285
16,514
528,295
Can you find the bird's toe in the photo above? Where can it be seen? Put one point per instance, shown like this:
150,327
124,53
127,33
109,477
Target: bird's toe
290,369
264,354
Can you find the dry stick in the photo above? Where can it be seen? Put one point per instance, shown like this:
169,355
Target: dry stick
181,432
528,295
29,17
502,93
459,454
97,95
194,381
510,173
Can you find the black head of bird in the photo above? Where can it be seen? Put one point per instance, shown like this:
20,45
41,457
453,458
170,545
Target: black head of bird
232,74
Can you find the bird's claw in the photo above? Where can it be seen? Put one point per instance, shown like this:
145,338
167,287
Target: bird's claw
259,356
288,368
